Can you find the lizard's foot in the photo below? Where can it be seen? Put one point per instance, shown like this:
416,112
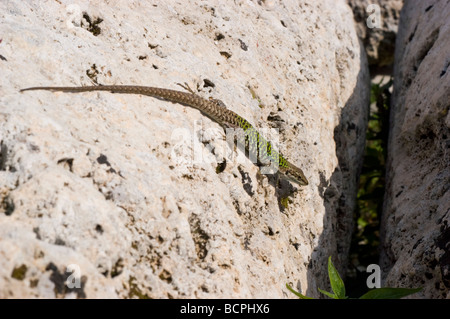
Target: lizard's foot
187,87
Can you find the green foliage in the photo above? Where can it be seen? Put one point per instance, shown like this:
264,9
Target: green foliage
299,295
371,188
371,185
370,194
389,293
338,288
284,201
337,284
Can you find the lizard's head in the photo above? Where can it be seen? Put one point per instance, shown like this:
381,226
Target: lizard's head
295,174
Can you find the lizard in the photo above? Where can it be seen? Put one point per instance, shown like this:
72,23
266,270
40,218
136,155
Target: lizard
214,109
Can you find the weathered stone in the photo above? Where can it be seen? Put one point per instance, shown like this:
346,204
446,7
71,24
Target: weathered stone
416,218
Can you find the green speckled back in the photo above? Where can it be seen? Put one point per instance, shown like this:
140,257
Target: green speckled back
258,147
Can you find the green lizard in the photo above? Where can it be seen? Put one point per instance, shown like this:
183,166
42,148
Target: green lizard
255,143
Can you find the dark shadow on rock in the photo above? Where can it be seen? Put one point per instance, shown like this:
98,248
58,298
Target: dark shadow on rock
339,192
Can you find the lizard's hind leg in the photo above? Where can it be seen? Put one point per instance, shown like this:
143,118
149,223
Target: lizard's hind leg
187,87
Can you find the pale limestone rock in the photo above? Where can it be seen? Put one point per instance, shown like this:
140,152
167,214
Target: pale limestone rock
108,181
415,225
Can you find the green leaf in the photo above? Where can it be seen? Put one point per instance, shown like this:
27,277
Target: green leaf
389,293
337,285
297,293
329,294
284,201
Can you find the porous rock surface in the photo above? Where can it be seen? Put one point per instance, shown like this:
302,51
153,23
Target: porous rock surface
416,218
129,194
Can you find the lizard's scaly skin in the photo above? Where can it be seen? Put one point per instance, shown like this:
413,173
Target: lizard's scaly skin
254,142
